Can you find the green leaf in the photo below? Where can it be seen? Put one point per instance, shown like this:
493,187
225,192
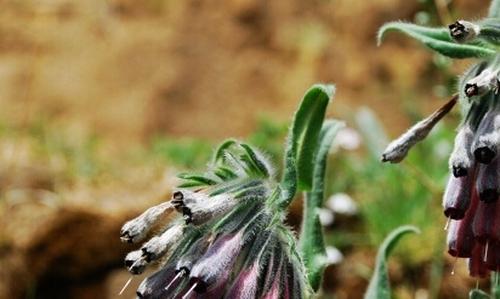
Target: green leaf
495,285
196,178
221,150
478,294
494,11
303,139
311,244
490,31
379,287
256,160
438,39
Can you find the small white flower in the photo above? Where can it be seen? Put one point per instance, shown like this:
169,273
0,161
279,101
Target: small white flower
326,217
333,255
343,204
347,138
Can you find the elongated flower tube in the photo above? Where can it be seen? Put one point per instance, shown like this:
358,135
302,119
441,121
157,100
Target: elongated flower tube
228,238
471,197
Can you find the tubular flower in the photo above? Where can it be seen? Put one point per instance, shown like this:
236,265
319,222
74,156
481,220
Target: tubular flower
227,238
471,198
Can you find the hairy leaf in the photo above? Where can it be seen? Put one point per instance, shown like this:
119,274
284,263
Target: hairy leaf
303,138
196,178
221,150
379,287
438,39
311,244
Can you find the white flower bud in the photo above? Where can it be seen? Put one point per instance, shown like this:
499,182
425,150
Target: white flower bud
136,229
158,246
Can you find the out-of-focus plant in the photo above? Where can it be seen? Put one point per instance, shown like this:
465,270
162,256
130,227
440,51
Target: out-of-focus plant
471,200
379,287
230,239
189,153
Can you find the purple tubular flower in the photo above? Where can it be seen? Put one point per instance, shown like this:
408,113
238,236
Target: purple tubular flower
135,262
228,241
246,284
477,265
487,139
456,199
484,220
154,286
460,234
461,158
493,256
488,181
212,269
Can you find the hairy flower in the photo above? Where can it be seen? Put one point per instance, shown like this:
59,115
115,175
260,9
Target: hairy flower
471,199
226,239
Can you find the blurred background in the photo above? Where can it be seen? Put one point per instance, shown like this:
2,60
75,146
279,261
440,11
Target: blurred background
102,102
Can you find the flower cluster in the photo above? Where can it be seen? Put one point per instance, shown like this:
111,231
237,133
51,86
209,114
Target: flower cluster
228,240
471,199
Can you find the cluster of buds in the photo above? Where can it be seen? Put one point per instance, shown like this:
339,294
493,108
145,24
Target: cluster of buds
228,240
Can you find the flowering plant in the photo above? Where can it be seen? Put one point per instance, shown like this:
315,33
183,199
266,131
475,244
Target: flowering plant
471,200
229,238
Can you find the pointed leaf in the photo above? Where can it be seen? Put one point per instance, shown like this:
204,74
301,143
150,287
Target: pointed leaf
196,178
311,243
221,150
438,39
303,138
257,161
379,287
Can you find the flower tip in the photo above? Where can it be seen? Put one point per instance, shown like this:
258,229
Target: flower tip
459,171
471,90
488,195
484,155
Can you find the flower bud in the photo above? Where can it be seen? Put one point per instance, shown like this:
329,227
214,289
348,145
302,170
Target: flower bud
136,229
488,181
154,286
460,237
256,264
193,254
135,262
462,31
456,198
182,198
484,221
487,140
211,208
397,150
461,158
213,267
158,246
483,83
